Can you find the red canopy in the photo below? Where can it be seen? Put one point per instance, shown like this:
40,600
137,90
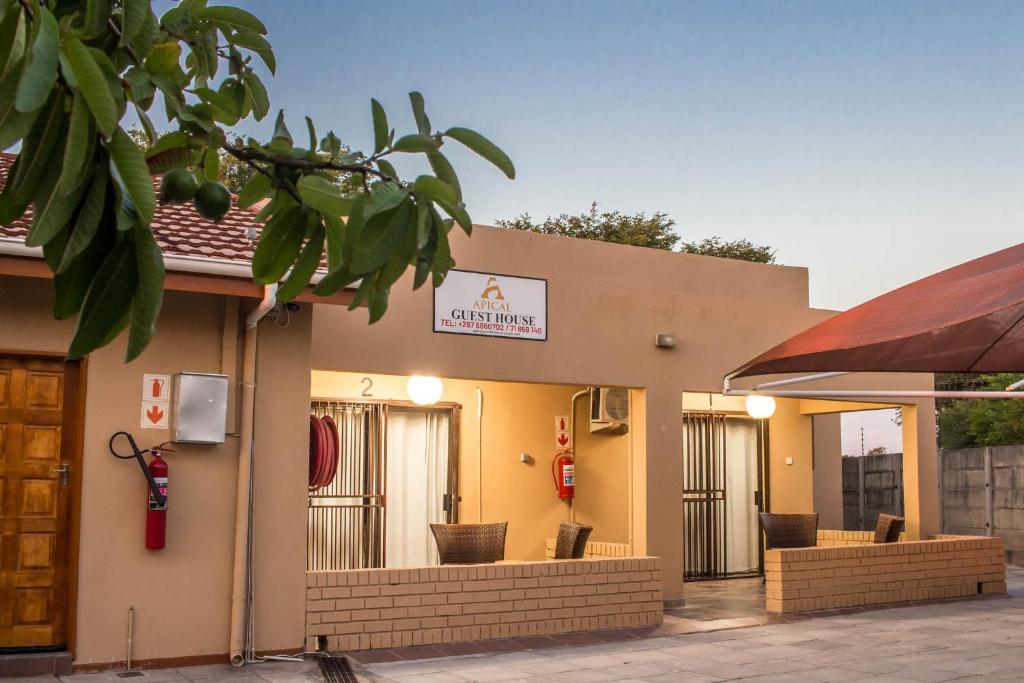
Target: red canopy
969,318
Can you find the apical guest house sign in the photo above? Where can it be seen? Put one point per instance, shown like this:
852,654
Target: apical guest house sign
492,305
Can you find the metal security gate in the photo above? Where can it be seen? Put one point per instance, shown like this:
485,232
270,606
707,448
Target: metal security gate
705,461
347,517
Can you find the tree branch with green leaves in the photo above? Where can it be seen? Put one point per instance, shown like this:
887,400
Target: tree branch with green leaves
71,71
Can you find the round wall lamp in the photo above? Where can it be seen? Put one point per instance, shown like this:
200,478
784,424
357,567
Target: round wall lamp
424,391
760,407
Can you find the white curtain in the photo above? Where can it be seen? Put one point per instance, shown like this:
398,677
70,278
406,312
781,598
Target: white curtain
417,479
740,511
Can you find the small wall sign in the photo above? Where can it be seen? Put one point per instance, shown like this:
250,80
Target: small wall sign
492,305
156,401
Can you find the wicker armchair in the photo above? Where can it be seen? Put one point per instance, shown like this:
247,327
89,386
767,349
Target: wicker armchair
790,530
572,540
888,528
470,543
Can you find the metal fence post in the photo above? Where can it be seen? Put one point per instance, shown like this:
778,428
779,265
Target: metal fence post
942,491
989,513
862,494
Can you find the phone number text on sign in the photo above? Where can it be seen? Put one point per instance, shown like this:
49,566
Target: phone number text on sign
490,304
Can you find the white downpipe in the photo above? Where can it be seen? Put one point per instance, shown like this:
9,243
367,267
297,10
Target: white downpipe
240,647
480,455
572,439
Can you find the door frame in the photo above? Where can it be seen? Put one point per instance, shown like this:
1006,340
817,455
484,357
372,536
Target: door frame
72,444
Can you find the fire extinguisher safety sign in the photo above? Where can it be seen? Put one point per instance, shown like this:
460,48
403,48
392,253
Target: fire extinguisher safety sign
156,401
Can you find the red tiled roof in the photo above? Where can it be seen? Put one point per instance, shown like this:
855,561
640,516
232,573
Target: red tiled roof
178,229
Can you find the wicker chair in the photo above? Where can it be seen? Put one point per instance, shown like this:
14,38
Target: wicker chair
572,540
888,528
470,543
790,530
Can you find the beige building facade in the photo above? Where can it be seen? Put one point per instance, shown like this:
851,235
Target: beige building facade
605,304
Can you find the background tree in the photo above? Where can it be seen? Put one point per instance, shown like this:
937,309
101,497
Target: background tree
877,450
971,422
610,226
742,250
71,70
639,230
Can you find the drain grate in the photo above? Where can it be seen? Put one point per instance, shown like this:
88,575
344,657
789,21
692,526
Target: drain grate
336,669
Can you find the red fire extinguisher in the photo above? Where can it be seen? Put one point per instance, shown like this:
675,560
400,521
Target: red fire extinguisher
564,473
156,514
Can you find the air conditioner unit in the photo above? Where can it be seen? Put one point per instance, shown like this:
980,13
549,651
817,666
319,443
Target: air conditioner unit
609,410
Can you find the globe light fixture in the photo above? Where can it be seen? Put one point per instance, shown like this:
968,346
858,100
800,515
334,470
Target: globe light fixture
760,407
424,391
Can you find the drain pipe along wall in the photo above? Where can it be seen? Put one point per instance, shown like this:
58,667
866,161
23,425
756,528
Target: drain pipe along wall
241,612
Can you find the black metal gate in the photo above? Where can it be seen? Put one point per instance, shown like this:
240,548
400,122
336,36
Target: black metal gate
705,476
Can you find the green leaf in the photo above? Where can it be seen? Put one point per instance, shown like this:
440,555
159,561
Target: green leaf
108,301
146,303
400,258
161,162
483,147
458,212
312,133
334,231
387,169
37,149
233,16
280,242
366,286
251,40
383,197
304,268
79,144
72,284
380,126
168,141
442,254
40,72
418,113
323,195
423,224
257,94
135,13
211,164
12,39
282,136
88,220
434,189
131,173
254,190
96,14
378,304
415,143
13,124
52,208
92,84
381,236
443,170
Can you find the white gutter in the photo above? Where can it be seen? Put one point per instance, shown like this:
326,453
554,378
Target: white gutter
727,390
240,644
202,265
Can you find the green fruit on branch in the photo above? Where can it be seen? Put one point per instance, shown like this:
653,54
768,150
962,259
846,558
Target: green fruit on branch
178,186
212,200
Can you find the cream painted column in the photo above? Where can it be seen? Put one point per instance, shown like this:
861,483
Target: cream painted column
920,472
828,470
665,485
790,449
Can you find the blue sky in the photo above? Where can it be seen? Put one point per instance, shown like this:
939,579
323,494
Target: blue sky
874,142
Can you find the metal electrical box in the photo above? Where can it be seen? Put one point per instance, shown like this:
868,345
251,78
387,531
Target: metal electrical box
200,409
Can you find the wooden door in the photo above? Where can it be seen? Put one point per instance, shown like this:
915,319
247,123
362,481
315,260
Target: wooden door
36,444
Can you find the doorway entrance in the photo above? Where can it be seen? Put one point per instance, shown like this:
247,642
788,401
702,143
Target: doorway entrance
397,466
724,489
38,460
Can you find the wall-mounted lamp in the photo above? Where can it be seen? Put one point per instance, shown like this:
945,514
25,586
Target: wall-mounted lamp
424,391
665,341
760,407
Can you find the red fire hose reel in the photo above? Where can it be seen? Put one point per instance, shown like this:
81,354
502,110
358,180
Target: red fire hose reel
156,480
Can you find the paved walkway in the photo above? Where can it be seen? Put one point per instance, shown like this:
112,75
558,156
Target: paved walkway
977,640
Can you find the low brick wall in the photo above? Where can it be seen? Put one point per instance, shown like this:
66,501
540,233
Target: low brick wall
377,608
595,549
802,579
828,538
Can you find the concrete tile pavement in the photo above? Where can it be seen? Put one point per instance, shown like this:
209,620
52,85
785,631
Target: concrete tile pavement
972,640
